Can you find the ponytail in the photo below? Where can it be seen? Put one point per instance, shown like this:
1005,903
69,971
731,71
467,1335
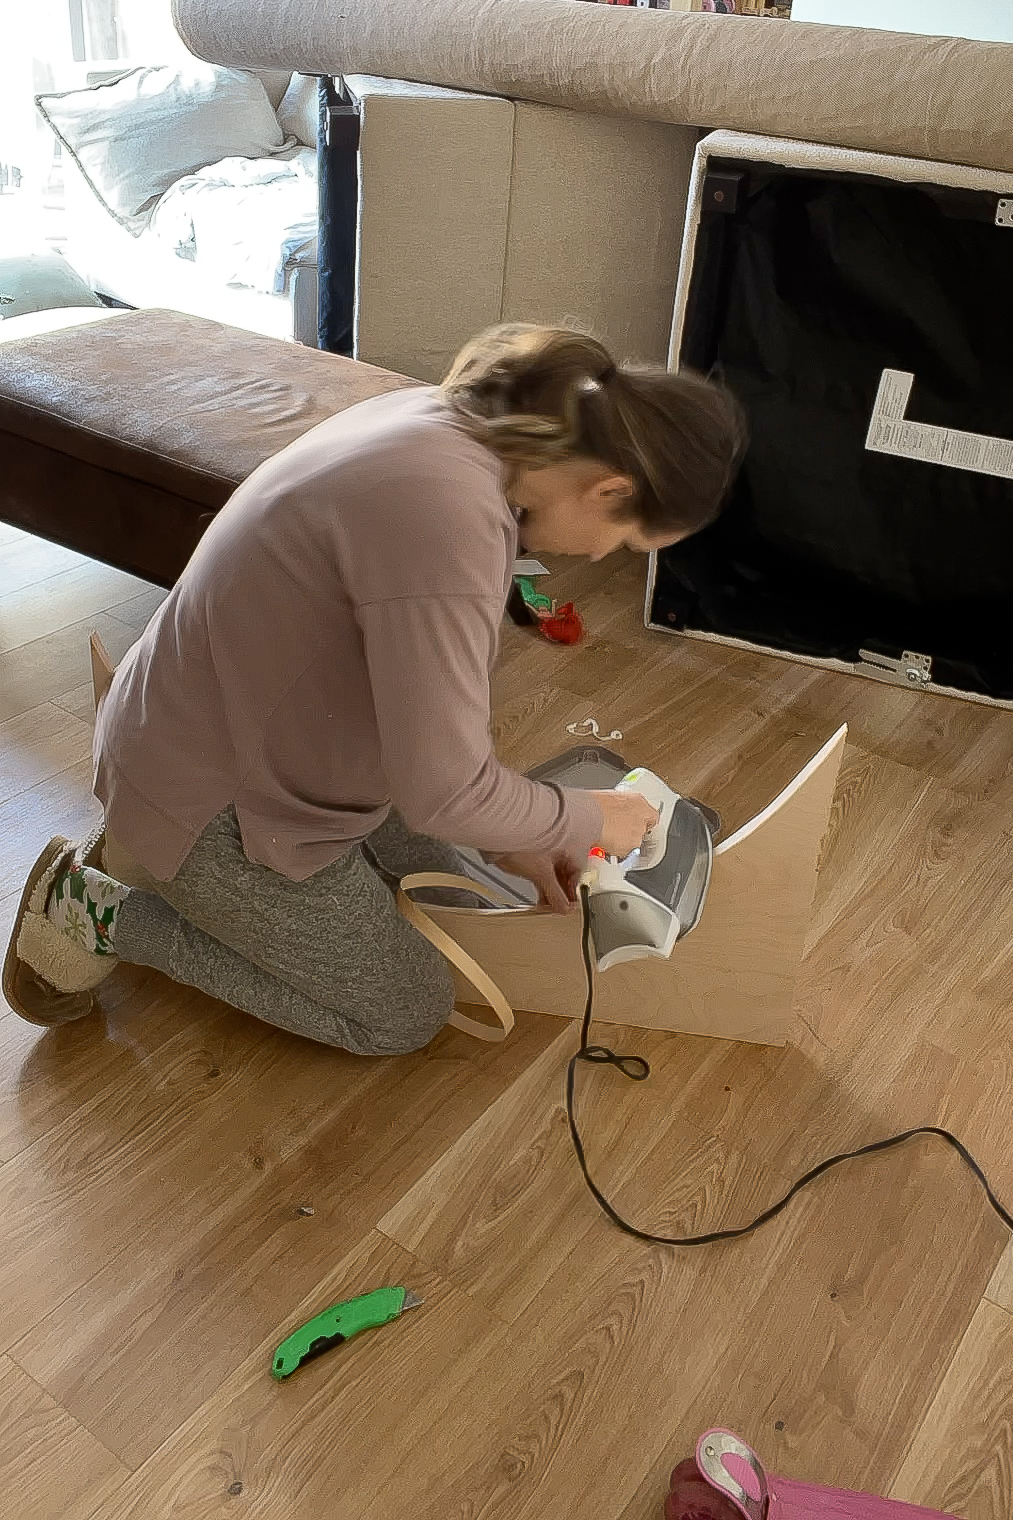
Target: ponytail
538,396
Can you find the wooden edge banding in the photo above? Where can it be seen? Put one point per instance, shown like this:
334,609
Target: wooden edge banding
459,884
834,747
452,951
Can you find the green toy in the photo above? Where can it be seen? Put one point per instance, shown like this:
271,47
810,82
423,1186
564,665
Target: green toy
561,624
533,598
339,1324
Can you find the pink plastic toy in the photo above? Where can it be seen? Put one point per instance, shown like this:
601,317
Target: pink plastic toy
726,1481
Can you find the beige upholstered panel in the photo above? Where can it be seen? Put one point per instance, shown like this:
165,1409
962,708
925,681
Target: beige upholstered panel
940,98
434,195
596,216
473,211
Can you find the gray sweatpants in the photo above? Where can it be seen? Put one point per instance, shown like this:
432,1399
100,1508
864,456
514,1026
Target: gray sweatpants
330,958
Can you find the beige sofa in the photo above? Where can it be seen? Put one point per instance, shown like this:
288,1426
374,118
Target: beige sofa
542,168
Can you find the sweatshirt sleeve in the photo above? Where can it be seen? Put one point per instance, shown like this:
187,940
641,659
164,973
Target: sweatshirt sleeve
429,660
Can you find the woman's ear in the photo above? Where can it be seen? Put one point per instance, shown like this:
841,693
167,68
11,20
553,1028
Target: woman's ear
617,491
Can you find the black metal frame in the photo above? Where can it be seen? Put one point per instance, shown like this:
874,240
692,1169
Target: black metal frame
338,179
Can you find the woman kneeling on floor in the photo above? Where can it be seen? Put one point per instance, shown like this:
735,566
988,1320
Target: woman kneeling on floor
306,719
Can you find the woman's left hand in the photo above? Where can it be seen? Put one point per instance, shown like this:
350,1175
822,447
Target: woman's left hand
556,878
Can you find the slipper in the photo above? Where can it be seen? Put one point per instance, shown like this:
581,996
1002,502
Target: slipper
47,978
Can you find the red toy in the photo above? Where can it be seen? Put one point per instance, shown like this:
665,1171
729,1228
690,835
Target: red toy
726,1481
561,624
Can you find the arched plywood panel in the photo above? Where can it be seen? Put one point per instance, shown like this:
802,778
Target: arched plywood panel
733,977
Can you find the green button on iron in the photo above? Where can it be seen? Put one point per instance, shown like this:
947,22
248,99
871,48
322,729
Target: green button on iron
338,1324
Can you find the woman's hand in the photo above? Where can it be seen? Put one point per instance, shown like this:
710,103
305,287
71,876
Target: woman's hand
628,818
556,878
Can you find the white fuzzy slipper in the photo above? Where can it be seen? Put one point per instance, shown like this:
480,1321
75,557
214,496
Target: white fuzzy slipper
47,978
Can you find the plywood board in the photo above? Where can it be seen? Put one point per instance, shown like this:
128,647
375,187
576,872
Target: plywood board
733,977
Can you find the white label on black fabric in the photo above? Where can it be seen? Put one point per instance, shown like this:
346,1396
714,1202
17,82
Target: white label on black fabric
891,433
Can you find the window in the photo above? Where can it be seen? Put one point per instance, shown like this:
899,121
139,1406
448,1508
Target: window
146,32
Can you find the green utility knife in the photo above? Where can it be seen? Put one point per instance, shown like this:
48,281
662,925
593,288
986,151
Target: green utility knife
339,1324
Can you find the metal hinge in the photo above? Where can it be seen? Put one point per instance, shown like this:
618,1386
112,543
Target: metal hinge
910,670
1004,214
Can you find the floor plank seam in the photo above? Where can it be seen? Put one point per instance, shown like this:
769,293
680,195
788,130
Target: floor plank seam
449,1276
916,1431
49,1394
817,1037
61,701
49,780
51,1308
41,581
127,627
103,1505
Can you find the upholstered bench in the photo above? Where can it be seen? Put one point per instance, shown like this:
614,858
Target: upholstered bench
122,438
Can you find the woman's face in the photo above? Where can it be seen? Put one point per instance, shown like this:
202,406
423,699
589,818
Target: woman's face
580,508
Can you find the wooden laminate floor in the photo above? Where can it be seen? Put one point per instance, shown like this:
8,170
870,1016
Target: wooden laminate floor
154,1159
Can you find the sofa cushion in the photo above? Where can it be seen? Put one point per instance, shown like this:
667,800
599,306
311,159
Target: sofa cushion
640,172
134,135
245,222
153,418
297,112
431,241
275,82
39,282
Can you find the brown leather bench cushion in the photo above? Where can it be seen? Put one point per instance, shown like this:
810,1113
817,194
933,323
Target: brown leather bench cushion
123,438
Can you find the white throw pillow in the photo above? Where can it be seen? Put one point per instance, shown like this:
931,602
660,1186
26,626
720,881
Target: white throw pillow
275,82
297,113
134,135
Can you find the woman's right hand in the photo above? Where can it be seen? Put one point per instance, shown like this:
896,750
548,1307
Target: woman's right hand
627,819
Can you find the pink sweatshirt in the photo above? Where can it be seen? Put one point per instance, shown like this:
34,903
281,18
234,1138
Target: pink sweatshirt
327,652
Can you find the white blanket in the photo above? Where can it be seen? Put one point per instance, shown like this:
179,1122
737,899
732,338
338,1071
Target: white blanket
243,221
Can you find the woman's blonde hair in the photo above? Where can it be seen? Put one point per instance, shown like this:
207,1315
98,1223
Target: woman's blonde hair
544,395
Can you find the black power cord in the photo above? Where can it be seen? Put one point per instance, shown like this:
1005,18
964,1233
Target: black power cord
638,1070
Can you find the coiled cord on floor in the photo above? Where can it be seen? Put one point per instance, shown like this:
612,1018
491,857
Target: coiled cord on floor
638,1070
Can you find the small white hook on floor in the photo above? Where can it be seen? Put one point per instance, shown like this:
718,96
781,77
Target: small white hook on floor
588,729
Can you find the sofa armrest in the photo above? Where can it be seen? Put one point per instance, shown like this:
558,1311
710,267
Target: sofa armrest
838,85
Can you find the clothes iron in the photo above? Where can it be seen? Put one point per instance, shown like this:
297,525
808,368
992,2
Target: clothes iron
727,1481
643,905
